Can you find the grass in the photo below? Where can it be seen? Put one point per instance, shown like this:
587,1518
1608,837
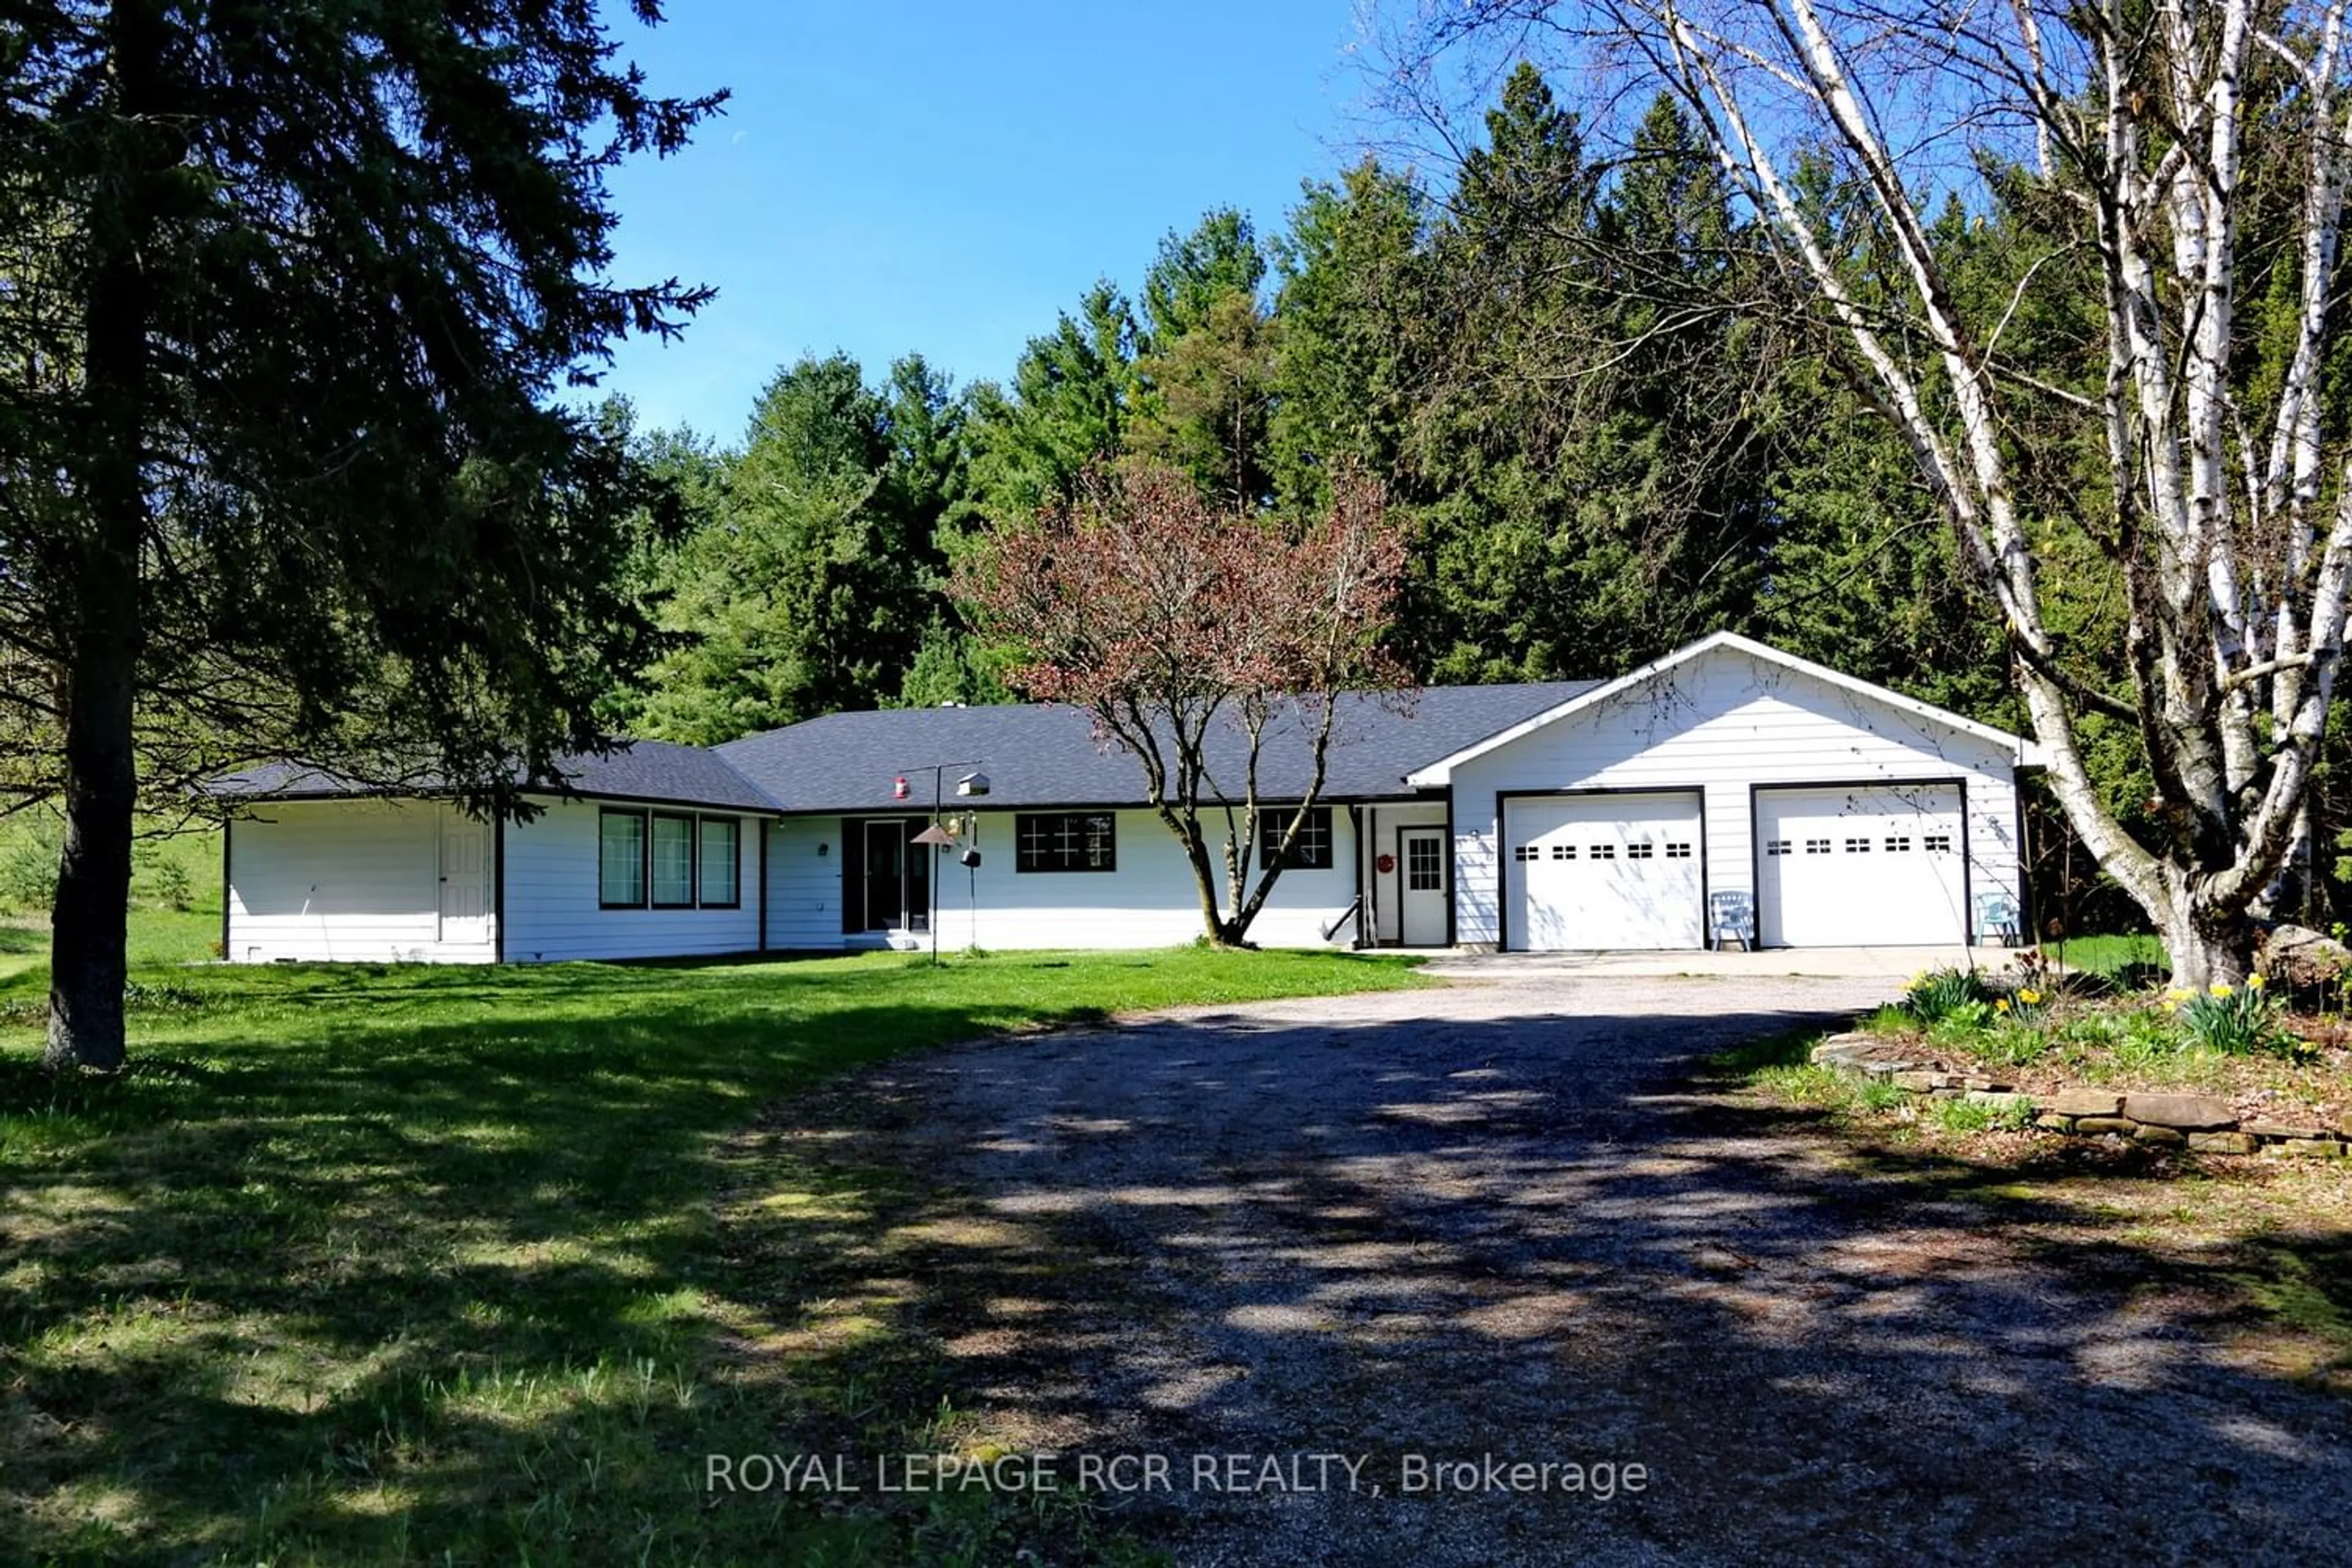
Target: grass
2120,958
166,872
387,1265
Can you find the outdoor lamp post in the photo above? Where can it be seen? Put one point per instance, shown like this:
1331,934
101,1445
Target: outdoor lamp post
937,835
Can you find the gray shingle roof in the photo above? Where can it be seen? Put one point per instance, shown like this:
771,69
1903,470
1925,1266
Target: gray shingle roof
1045,755
653,771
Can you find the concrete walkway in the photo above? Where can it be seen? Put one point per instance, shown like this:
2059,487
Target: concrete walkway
1895,963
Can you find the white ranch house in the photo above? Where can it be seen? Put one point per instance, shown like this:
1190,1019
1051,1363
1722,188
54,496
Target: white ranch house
1726,792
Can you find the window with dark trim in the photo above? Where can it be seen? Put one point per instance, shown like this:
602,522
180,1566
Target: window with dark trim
1311,851
621,859
671,859
1065,841
718,864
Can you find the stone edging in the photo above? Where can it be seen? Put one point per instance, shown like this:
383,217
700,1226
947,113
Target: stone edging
2198,1121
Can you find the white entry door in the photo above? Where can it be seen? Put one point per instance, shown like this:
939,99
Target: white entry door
1584,873
1861,865
1421,883
465,878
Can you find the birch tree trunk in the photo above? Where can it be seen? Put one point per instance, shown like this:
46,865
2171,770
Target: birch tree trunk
2227,523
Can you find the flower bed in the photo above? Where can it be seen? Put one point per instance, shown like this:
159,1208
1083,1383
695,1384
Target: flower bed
2229,1071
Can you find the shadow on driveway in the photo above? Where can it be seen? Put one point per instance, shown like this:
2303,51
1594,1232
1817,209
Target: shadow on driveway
1503,1220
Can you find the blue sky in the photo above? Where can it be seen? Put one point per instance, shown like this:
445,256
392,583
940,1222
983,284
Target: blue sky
910,175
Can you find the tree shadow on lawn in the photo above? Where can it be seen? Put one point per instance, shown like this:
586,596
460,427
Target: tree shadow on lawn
401,1280
1522,1238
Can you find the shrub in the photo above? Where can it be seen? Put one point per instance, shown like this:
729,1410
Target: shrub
28,866
1937,993
2238,1020
172,886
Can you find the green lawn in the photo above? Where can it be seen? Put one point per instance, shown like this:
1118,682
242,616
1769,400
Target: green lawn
408,1265
175,895
2115,956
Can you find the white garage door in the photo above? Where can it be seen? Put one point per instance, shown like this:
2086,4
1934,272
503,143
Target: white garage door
1851,867
1584,872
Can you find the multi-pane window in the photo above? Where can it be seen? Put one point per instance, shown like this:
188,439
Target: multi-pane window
1898,845
673,862
1423,864
1526,852
1604,852
1644,850
1679,849
1817,845
1857,846
1937,843
1310,851
720,863
1779,846
1563,851
1065,841
621,859
668,861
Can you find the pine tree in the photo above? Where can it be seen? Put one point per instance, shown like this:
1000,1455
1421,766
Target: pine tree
292,291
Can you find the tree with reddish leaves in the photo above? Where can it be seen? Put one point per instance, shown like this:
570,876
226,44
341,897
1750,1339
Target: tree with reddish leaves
1194,637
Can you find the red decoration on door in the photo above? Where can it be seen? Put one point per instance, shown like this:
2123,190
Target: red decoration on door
1384,865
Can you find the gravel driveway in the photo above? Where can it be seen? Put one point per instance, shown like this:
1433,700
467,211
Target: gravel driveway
1492,1222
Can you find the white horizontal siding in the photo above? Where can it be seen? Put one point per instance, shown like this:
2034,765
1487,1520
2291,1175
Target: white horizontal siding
552,896
1720,725
1148,901
340,880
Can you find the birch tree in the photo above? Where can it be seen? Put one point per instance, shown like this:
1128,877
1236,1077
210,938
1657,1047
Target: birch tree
2217,497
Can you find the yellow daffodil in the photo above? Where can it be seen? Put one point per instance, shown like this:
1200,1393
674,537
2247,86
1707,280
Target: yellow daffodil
2029,997
2001,1005
2254,983
2171,1006
2222,988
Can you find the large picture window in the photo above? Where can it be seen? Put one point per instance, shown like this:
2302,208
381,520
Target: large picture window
721,863
1311,851
1065,841
673,862
621,859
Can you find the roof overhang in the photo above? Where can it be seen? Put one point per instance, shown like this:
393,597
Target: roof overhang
1439,774
247,800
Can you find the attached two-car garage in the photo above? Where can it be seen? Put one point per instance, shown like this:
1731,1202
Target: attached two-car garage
1836,866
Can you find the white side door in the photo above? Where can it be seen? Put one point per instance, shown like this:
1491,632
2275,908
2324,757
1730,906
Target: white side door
1422,882
1590,873
465,878
1860,866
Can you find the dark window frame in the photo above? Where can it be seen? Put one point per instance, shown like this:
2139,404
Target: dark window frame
693,857
735,864
1270,828
645,857
1026,860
